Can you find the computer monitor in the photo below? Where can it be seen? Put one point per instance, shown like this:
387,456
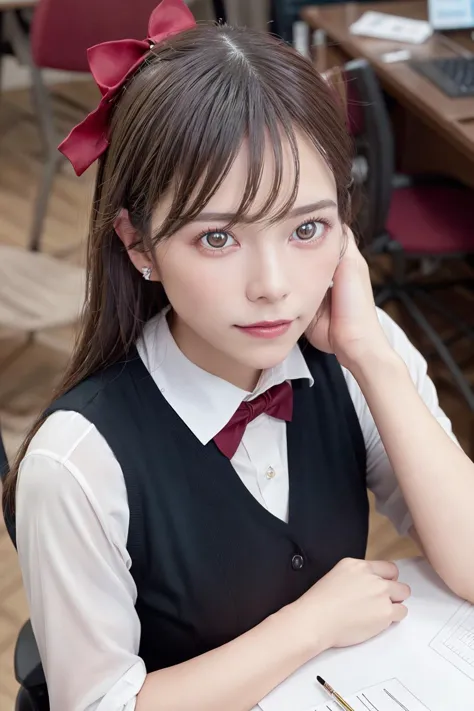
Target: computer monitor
451,14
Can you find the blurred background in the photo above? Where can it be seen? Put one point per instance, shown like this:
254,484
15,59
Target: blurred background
410,108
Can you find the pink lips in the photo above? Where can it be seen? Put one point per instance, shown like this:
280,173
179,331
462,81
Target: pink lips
266,329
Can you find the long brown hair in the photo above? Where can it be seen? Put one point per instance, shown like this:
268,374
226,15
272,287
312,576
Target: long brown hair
178,126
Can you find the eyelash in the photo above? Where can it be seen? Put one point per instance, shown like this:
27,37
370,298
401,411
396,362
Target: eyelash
321,220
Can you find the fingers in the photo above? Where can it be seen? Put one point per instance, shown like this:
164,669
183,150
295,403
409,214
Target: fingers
399,612
399,592
349,232
384,569
350,243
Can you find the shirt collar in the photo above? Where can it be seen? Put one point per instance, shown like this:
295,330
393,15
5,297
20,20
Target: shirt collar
204,401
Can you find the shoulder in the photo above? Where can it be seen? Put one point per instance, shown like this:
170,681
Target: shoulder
69,464
105,389
102,386
60,434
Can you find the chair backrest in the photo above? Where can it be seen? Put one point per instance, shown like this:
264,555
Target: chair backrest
63,30
369,123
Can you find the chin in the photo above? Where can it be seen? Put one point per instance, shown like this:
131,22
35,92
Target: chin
268,357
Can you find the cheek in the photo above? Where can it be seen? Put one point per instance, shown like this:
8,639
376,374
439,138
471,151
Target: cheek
193,282
315,268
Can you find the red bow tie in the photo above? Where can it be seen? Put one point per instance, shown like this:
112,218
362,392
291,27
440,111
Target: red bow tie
276,402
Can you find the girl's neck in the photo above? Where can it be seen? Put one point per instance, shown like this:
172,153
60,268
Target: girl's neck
208,358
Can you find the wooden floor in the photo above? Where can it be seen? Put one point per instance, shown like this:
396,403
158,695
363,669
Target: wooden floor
25,387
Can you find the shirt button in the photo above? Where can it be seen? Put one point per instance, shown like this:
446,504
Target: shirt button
270,473
297,562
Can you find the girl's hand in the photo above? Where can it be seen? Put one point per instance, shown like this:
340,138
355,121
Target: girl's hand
355,601
347,323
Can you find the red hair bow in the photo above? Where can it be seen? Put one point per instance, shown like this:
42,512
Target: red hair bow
111,64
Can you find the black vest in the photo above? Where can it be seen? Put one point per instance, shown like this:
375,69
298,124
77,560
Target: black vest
208,560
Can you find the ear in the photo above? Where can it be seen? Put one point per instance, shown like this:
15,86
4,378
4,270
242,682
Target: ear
130,236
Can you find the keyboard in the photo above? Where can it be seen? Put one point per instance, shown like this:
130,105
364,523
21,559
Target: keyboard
453,75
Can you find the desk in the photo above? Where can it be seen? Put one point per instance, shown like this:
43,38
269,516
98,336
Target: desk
437,132
16,4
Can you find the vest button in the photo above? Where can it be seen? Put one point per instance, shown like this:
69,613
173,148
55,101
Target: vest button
297,562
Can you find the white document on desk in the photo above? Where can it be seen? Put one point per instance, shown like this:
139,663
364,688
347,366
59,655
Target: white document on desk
425,663
391,27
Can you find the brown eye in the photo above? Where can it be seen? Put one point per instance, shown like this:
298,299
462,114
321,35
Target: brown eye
217,240
309,231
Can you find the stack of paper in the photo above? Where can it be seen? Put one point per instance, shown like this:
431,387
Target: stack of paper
425,663
392,27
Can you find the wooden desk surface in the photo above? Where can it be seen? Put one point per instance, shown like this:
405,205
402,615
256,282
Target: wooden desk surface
454,118
16,4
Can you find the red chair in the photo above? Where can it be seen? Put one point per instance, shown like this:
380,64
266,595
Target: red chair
63,29
426,220
61,32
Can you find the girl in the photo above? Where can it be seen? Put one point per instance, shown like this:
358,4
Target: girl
191,510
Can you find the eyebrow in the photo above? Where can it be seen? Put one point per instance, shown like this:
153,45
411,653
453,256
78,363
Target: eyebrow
297,211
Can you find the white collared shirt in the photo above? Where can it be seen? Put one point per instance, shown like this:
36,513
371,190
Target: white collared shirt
73,516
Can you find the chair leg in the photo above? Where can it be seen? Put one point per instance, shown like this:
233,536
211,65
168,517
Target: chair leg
219,10
443,352
21,46
42,200
399,262
385,295
458,323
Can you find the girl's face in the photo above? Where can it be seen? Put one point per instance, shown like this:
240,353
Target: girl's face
221,282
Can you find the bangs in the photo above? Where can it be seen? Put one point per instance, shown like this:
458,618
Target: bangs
210,148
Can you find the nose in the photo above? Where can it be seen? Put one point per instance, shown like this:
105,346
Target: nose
268,278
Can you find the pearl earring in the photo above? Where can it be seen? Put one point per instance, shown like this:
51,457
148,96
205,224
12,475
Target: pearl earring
146,273
331,284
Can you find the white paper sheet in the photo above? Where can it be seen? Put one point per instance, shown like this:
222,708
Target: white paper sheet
428,659
390,695
455,642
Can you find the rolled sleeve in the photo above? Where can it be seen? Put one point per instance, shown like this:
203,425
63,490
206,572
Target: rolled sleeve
80,591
